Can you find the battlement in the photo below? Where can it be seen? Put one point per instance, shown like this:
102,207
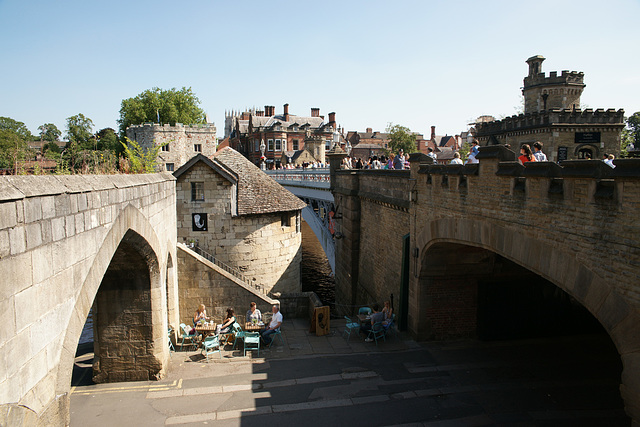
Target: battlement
551,117
178,127
566,78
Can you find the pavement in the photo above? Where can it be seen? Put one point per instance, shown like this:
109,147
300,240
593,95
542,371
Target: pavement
311,380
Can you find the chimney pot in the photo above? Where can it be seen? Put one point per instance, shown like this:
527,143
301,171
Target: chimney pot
315,112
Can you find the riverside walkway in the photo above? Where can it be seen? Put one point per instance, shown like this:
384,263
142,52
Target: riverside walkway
327,380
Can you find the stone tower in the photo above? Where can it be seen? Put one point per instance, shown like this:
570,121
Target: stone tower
545,93
315,144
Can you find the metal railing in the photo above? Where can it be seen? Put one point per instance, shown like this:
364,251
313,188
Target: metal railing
259,287
310,176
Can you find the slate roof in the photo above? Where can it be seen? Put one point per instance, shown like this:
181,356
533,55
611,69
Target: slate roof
262,121
257,192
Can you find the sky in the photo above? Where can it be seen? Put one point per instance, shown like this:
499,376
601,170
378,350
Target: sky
414,63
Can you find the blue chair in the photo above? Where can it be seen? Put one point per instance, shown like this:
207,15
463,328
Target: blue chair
251,342
377,332
171,347
211,345
273,336
186,336
391,326
364,310
350,326
238,333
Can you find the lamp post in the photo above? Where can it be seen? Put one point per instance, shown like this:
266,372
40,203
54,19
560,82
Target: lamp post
262,148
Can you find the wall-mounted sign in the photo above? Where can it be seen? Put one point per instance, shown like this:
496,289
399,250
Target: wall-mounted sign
199,222
587,138
563,153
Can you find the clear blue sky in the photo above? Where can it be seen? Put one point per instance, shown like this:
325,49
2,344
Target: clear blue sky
414,63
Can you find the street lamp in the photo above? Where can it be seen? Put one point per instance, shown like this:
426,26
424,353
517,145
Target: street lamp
262,148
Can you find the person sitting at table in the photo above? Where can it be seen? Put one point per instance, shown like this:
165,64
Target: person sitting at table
225,327
274,325
376,317
201,314
253,313
388,312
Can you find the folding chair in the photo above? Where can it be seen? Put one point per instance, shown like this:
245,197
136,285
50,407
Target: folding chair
171,347
364,310
351,326
211,345
251,342
377,332
277,333
236,329
186,336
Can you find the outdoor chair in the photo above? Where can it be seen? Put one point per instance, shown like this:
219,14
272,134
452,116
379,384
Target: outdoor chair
171,347
351,326
186,336
391,326
238,333
278,334
211,345
251,342
377,332
364,310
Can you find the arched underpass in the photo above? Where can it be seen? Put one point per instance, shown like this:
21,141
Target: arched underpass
536,333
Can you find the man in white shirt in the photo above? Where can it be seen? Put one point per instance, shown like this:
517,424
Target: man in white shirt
274,325
537,152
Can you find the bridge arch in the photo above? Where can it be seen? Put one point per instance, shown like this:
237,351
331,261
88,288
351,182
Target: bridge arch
620,319
131,235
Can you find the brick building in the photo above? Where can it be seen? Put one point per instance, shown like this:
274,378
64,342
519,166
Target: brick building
283,134
242,217
552,115
182,142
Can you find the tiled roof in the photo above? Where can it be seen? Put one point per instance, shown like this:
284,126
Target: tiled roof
261,121
257,192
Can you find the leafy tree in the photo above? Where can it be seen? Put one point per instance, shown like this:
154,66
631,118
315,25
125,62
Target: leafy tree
139,159
7,123
400,137
49,132
633,126
80,132
13,143
108,140
165,106
50,148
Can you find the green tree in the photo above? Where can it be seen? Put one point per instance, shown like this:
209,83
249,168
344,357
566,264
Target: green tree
108,140
141,160
80,132
400,137
633,125
13,143
49,132
7,123
161,106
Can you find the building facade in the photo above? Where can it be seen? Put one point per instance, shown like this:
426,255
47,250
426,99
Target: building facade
231,210
181,142
552,115
279,134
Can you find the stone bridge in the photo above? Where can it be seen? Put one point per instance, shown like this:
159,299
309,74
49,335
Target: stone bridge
68,245
496,249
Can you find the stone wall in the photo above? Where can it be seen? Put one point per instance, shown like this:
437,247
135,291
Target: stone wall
181,141
57,238
265,248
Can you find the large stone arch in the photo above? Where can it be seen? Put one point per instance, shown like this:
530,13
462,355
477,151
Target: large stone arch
133,225
620,319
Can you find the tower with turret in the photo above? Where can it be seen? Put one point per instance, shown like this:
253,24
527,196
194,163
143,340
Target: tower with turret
543,92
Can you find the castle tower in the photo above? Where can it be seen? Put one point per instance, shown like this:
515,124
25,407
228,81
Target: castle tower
316,146
545,93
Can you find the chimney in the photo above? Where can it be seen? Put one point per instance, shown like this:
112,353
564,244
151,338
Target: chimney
315,112
433,133
286,112
260,113
369,130
332,119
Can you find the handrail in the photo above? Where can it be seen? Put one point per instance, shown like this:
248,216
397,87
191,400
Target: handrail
231,270
313,175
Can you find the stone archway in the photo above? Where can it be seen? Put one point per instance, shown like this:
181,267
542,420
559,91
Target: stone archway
619,319
132,230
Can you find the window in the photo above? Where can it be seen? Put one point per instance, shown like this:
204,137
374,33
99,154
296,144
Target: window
295,145
278,145
197,148
197,191
327,144
285,220
284,145
270,144
257,145
168,167
165,147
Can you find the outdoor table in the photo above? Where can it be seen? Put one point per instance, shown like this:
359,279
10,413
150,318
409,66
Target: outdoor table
250,327
364,318
206,330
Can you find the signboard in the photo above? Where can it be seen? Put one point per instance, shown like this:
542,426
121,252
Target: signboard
587,138
199,222
563,153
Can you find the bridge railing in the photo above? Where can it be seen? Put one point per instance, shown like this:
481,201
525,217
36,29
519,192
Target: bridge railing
310,177
231,270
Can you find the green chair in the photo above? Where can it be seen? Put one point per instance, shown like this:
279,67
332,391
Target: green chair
364,310
273,336
251,342
377,332
186,336
211,345
350,326
238,333
171,347
391,327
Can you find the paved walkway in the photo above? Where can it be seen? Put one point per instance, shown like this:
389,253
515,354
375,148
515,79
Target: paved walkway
328,380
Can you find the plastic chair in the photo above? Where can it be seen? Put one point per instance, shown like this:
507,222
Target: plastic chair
377,332
364,310
186,336
251,342
351,326
211,345
171,347
273,336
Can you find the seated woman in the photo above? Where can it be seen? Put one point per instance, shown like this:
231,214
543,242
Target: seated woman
388,313
201,315
225,328
253,313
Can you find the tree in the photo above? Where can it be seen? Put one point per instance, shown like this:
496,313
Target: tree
108,140
400,137
80,132
49,132
7,123
161,106
141,160
13,143
633,126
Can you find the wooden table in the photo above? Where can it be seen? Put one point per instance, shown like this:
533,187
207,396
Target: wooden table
364,318
207,330
250,327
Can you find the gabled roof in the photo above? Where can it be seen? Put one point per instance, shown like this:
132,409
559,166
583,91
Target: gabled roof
257,192
226,173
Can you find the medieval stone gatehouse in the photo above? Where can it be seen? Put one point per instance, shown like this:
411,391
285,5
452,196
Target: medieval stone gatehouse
234,212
